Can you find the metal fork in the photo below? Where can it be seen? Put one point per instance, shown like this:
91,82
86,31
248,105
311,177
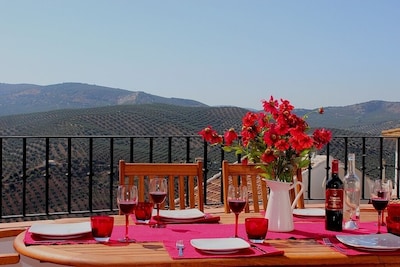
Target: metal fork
329,243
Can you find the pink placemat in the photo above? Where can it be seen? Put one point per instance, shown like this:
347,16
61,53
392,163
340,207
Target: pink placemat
192,253
31,239
208,218
316,230
349,251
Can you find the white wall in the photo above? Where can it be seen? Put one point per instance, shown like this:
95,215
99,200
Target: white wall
318,176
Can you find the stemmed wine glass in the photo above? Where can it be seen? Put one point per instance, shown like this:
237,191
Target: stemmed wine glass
237,200
380,195
387,184
158,193
127,199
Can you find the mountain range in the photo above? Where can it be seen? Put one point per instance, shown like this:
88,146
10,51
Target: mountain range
29,98
77,108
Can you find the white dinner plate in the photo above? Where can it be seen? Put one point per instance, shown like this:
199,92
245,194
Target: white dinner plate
373,242
186,214
219,245
60,230
221,252
309,212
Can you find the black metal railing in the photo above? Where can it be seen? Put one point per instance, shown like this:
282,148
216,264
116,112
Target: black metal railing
65,175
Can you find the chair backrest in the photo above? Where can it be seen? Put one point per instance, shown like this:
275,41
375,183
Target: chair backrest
185,181
294,191
235,173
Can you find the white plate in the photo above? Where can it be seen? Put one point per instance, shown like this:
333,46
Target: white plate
309,212
60,230
374,242
219,245
186,214
220,252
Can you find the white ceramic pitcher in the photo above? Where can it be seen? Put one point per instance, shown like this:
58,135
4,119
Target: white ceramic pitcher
279,209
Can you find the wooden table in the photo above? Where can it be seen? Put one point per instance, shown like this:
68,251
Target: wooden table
297,252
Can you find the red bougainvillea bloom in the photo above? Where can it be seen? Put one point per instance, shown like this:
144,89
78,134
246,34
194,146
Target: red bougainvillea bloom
230,136
210,135
268,156
270,106
276,138
321,137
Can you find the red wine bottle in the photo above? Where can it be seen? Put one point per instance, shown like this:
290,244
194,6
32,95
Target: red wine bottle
334,200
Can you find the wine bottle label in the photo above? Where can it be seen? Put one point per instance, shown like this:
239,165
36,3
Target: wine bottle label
334,199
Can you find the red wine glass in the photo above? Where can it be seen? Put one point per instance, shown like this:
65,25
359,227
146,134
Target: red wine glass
379,199
237,200
127,199
158,193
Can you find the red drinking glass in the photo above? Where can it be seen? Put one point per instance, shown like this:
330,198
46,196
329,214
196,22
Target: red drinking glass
102,227
256,229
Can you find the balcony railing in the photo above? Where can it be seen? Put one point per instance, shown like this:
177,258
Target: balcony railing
59,176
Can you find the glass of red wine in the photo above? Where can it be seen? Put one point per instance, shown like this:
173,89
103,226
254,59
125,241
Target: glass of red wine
127,199
158,193
380,195
237,200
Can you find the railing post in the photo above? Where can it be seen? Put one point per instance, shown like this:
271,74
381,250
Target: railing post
47,174
111,173
151,145
131,149
188,149
169,149
363,169
309,178
69,174
90,174
1,175
24,176
346,152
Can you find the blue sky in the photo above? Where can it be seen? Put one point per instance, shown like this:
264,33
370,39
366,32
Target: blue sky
311,52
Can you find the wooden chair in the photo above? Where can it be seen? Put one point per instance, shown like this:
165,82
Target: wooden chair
185,181
11,257
235,173
293,192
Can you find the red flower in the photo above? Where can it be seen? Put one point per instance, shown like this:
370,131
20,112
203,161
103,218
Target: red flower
230,136
271,105
210,135
268,156
276,138
321,137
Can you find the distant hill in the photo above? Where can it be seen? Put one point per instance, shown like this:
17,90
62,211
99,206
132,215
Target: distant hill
29,98
370,117
61,103
163,119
